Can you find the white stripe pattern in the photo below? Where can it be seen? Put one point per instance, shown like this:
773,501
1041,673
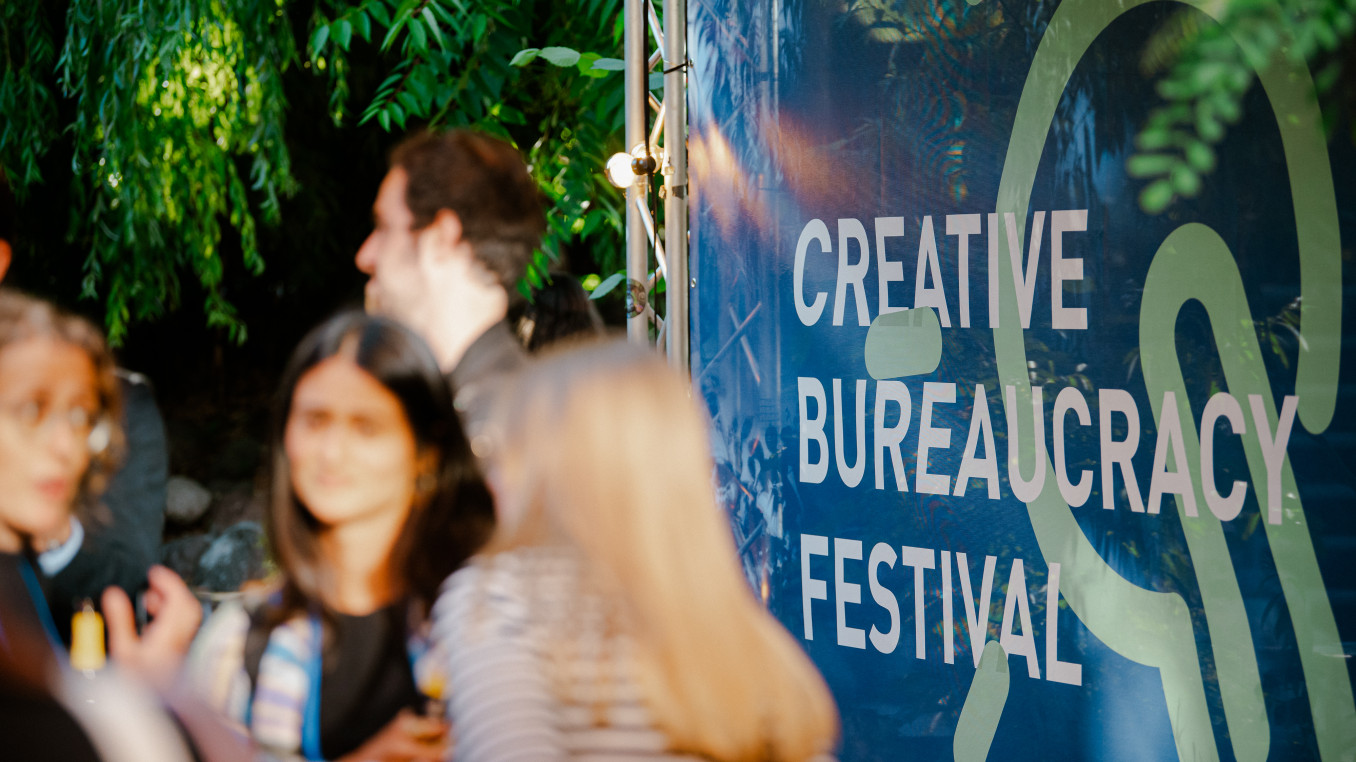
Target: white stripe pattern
504,662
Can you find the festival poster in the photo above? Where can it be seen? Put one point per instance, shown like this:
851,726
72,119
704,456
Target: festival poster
1029,472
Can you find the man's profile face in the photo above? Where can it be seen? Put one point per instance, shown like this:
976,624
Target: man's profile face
390,255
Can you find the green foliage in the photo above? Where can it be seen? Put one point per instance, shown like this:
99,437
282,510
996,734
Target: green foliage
464,63
175,113
600,288
26,99
172,104
1209,70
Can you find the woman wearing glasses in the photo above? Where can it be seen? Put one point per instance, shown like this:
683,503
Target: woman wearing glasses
58,395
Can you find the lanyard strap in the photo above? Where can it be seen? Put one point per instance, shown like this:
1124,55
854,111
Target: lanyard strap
310,722
39,602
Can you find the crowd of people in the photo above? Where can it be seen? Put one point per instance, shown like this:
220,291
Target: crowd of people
480,553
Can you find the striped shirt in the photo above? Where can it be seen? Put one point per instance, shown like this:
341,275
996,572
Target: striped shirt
521,689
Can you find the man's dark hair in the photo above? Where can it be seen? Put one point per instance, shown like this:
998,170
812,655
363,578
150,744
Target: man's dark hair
8,210
485,182
560,311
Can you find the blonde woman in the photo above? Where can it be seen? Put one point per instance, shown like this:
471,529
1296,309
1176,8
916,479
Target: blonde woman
608,613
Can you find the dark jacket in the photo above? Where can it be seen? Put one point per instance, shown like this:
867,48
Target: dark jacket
121,545
482,373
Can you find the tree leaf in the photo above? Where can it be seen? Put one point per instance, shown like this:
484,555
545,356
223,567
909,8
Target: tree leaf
510,115
609,283
585,66
563,57
401,18
418,39
343,32
1324,33
379,12
446,14
525,56
432,24
391,34
319,37
610,64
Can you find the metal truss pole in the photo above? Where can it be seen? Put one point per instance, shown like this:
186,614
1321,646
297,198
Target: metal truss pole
637,249
675,179
642,231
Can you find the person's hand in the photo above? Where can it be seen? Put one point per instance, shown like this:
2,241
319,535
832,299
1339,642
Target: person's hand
175,615
408,737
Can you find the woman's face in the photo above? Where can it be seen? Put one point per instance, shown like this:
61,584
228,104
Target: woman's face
49,403
352,452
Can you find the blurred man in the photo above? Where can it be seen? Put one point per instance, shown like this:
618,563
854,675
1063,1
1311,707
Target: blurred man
455,224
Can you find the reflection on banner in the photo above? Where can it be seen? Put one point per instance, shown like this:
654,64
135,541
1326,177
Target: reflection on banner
873,480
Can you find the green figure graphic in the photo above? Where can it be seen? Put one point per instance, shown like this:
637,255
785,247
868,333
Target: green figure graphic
1149,627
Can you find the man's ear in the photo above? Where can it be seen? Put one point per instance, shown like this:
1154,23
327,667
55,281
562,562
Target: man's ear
446,229
5,256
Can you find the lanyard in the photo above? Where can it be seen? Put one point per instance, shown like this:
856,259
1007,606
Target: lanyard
40,604
310,719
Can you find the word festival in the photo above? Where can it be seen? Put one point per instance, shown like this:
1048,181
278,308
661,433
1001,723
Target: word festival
1016,606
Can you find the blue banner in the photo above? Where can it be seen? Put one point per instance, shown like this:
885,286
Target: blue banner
1031,472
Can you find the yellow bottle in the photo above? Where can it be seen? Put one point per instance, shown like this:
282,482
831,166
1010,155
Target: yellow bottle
433,686
87,639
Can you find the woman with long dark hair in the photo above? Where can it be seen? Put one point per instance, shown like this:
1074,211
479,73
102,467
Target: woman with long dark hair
375,499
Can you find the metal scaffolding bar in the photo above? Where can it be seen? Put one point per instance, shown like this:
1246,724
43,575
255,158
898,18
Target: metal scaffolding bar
675,179
637,91
641,18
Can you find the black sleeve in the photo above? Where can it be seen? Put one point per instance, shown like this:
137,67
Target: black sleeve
136,493
105,559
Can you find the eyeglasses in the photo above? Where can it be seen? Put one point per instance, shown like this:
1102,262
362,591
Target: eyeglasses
32,417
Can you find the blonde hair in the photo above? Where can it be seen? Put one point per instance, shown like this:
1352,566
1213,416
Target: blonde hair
608,456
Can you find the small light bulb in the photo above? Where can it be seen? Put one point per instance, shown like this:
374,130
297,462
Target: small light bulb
642,165
644,160
618,170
